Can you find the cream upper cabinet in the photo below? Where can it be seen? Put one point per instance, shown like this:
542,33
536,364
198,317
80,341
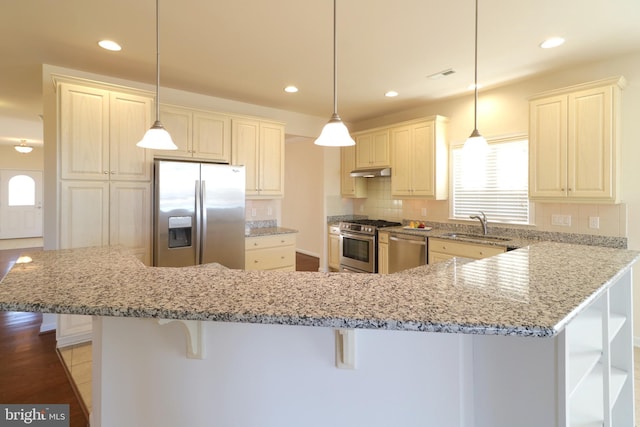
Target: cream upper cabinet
98,132
349,186
372,149
259,146
420,159
198,134
574,144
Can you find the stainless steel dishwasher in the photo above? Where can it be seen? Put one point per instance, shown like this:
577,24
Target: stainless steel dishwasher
406,251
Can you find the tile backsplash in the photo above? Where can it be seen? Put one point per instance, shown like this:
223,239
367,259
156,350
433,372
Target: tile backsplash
594,219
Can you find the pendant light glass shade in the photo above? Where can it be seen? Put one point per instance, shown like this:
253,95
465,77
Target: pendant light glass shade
23,148
335,132
475,142
157,137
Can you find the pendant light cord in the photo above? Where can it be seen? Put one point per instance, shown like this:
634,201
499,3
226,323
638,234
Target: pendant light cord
475,78
335,63
157,61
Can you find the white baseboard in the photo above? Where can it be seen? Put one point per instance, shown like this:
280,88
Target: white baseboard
49,322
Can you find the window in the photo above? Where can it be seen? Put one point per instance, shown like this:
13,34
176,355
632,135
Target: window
22,191
495,182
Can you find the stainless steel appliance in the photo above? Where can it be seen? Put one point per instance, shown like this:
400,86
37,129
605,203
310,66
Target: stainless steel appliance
359,244
406,251
199,214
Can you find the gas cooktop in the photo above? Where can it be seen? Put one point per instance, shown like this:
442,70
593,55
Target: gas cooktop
369,226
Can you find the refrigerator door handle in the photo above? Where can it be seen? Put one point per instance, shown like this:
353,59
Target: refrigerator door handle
198,254
203,232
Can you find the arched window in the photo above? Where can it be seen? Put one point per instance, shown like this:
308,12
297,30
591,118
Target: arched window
22,191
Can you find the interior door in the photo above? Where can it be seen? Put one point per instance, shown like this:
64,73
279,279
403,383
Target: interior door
20,204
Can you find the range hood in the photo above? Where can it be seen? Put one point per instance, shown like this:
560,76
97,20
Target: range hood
371,173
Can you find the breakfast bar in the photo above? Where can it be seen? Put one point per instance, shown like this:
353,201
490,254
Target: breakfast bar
536,336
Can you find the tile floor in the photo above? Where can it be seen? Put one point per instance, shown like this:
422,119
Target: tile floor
78,361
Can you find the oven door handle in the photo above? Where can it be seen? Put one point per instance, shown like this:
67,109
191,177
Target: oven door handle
357,236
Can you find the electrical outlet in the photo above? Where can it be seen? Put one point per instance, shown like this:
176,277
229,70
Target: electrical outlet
594,222
423,212
253,211
561,220
269,211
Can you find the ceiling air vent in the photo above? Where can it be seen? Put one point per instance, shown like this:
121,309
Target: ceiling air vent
441,74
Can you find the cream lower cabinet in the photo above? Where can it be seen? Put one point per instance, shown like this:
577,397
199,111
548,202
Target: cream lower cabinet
274,252
94,213
574,143
420,159
198,134
350,187
383,252
334,248
443,249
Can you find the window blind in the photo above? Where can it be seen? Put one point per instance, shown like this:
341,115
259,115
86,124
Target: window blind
495,182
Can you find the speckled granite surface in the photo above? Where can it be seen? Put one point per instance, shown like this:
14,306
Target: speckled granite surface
533,291
268,231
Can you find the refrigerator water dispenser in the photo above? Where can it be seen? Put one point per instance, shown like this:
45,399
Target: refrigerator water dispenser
180,231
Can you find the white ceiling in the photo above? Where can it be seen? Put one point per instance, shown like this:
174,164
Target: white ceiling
249,50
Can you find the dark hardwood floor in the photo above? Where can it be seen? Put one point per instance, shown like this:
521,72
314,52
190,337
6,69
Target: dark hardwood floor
30,370
306,262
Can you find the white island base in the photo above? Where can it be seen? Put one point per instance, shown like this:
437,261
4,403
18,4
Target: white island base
254,375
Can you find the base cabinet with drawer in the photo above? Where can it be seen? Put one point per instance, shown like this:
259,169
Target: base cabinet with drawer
444,249
273,252
334,248
383,252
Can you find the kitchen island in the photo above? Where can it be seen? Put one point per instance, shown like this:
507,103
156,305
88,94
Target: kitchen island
539,336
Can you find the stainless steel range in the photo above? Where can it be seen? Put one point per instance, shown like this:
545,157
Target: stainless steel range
359,244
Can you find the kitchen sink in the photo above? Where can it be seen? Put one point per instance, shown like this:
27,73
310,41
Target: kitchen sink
478,237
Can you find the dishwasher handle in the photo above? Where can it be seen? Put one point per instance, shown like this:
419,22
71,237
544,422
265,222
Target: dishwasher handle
415,240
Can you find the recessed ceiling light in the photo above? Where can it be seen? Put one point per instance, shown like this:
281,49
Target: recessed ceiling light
291,89
552,42
391,94
110,45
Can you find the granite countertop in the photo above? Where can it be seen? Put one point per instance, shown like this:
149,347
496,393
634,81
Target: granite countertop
532,291
512,242
268,231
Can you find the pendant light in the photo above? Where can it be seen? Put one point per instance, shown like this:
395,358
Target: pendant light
475,140
335,133
23,148
157,137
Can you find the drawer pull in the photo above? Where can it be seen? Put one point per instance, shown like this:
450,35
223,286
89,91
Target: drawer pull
255,261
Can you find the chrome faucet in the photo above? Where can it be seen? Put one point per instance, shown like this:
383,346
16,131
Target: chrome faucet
483,221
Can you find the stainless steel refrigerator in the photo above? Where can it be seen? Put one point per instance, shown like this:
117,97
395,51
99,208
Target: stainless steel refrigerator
199,214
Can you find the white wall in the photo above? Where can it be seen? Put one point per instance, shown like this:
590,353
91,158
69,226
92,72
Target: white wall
11,159
303,203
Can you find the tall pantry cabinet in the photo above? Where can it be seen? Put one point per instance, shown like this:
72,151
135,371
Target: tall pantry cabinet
104,179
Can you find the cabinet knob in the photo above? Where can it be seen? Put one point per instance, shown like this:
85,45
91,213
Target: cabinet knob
106,172
255,261
255,243
113,172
